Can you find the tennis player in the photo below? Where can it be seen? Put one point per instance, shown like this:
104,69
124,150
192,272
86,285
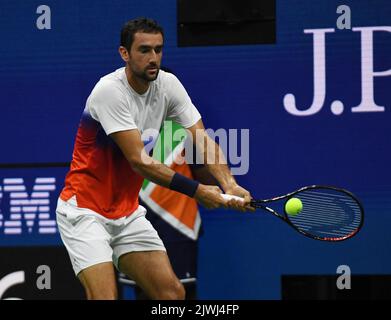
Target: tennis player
100,220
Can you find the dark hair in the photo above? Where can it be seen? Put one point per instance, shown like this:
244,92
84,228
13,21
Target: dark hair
138,25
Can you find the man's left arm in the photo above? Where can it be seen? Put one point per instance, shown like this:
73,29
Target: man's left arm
216,164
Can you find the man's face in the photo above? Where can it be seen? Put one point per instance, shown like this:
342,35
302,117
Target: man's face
145,55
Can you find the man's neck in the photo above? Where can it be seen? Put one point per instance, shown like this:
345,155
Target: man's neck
137,84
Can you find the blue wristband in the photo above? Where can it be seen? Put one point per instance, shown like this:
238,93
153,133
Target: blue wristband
184,185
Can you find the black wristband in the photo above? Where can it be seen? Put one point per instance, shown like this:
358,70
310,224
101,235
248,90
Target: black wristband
184,185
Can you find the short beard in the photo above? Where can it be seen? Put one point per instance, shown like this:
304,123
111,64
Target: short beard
144,75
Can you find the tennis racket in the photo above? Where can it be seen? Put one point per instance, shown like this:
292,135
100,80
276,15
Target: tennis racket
327,214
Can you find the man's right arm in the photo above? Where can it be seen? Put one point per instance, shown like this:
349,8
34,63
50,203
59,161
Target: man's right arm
131,145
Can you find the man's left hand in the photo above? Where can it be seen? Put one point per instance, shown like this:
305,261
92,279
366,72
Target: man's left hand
238,191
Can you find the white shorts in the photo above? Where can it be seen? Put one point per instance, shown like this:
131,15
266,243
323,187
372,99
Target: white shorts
91,238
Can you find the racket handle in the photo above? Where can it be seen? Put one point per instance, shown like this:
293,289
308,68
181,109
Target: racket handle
230,197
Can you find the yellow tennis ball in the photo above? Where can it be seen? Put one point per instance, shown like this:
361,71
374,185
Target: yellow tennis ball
293,206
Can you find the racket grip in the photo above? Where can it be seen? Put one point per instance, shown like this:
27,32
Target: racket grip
230,197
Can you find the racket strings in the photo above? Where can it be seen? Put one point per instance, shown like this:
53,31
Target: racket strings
327,214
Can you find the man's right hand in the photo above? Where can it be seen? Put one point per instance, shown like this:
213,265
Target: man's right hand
210,196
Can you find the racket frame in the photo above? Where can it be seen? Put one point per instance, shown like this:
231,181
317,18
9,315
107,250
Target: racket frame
262,205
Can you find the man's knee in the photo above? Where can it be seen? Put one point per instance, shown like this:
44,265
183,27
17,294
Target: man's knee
175,291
